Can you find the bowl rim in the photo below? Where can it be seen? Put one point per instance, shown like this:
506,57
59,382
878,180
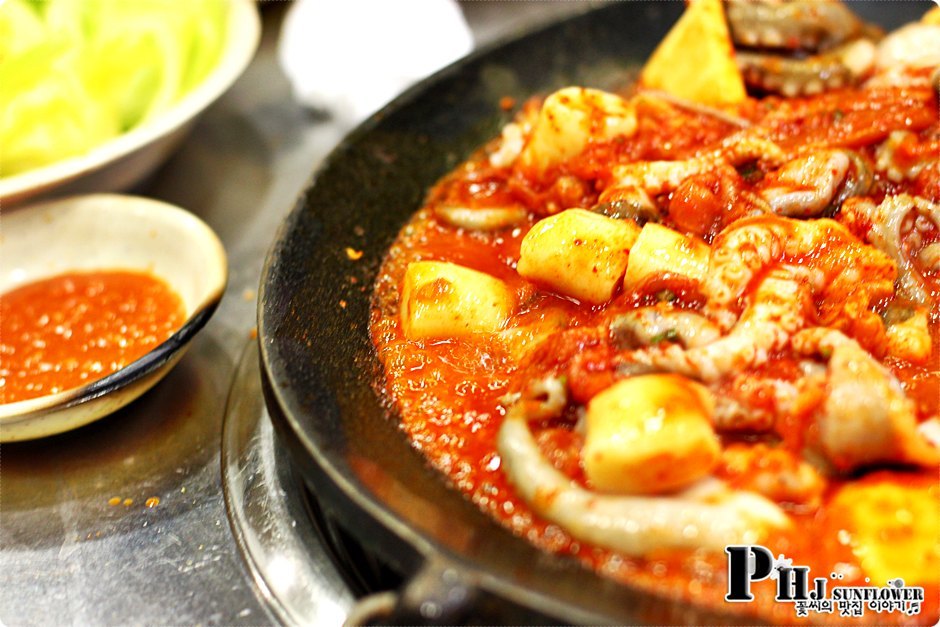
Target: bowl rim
243,34
196,229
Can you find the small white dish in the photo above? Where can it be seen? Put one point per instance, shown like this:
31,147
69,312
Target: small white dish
123,161
109,232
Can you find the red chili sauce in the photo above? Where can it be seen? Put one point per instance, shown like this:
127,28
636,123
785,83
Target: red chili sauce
447,392
70,330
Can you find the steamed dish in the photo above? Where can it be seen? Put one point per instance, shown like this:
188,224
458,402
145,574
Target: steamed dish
640,327
76,73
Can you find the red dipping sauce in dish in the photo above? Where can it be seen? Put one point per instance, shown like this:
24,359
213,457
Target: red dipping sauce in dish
72,329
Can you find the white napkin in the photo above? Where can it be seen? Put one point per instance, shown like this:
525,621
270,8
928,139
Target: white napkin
350,57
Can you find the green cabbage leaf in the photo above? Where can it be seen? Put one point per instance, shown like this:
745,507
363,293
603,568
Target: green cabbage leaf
75,73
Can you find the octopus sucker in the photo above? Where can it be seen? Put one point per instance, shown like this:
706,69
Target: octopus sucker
793,24
806,47
794,76
800,47
882,223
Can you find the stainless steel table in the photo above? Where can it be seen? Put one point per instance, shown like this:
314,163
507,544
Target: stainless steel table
124,521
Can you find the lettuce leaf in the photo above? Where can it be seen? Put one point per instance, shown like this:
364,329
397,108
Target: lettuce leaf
78,72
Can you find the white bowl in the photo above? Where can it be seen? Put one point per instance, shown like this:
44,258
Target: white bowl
101,232
119,163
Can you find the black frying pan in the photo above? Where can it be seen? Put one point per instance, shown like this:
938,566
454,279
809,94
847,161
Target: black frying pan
320,368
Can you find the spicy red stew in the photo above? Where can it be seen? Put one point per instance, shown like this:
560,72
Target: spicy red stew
637,329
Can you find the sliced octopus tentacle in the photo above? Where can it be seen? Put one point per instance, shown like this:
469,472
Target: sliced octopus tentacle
866,417
803,24
791,76
816,183
778,309
481,219
707,516
782,300
658,177
751,245
807,185
629,203
858,181
800,47
650,325
885,220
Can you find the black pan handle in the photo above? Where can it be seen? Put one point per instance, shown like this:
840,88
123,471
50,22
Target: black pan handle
438,594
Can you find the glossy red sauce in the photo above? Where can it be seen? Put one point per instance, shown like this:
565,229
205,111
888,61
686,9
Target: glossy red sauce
70,330
447,392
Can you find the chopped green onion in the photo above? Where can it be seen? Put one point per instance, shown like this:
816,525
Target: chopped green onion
669,335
